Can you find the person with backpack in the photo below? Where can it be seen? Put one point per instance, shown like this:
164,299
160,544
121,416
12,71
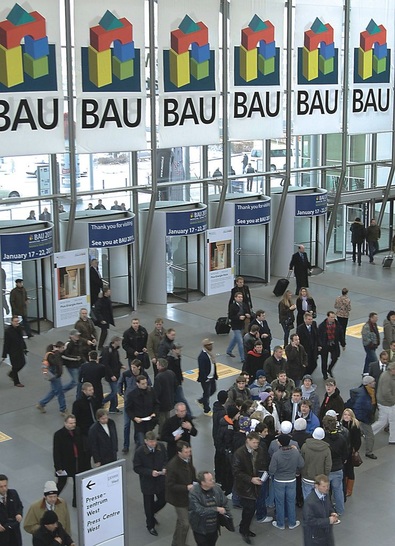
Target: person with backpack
52,368
363,403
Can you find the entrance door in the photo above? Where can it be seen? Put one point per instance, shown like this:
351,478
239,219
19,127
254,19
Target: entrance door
183,266
337,246
306,233
354,210
251,258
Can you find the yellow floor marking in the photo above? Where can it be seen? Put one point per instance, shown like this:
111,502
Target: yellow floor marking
223,372
355,331
4,437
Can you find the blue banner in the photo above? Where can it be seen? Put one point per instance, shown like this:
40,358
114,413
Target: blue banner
111,233
311,205
190,222
252,213
26,246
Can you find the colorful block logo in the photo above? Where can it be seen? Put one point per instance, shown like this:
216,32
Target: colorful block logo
189,63
256,61
318,58
27,60
372,60
106,68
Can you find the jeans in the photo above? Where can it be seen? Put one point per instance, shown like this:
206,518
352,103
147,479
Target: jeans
270,494
74,374
307,488
373,247
208,387
261,510
56,389
370,357
336,481
287,329
285,496
386,417
367,431
26,326
182,526
237,339
247,514
113,396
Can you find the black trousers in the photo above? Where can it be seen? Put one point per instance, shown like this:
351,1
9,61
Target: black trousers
62,481
325,352
249,506
206,540
152,506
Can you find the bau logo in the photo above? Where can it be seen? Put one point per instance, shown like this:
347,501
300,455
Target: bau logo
187,69
27,60
318,59
106,68
256,61
372,60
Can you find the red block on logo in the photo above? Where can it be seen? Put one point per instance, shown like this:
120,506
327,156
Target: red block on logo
101,39
250,39
180,42
313,40
11,35
367,40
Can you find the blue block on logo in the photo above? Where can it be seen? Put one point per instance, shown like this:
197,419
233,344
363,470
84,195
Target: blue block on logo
267,50
327,50
36,48
380,51
200,53
123,52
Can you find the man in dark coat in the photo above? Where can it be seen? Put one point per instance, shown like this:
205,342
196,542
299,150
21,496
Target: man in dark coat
207,374
93,372
135,343
330,337
51,532
84,410
308,337
68,453
274,364
244,289
149,463
95,280
358,234
319,516
264,331
112,364
180,424
332,400
103,439
165,386
11,512
104,315
15,347
301,267
238,313
247,462
73,357
18,301
142,406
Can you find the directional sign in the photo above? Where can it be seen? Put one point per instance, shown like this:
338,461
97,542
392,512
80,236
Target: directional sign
100,504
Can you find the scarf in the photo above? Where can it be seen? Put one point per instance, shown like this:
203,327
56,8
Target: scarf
372,393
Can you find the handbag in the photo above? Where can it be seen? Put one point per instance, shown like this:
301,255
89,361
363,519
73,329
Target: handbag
226,520
356,459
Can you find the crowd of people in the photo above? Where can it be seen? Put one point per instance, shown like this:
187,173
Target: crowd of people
277,445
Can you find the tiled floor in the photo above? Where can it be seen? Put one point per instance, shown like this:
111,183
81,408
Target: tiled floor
26,458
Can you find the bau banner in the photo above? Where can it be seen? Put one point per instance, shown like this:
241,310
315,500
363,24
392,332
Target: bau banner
318,43
188,73
31,94
371,85
109,55
255,75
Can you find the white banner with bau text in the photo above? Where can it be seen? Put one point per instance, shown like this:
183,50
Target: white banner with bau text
318,62
188,79
255,75
31,94
371,82
109,60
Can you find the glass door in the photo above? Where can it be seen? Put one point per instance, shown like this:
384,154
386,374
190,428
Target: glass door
251,256
337,246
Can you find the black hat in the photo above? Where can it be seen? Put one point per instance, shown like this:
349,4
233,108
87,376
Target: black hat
284,439
222,397
18,280
49,517
232,411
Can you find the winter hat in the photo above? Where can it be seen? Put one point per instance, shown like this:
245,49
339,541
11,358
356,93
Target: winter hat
264,396
284,439
232,411
307,376
332,413
300,424
286,427
50,488
319,433
367,379
49,517
260,373
222,397
245,424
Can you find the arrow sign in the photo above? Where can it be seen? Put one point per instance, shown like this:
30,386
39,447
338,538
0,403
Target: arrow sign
89,485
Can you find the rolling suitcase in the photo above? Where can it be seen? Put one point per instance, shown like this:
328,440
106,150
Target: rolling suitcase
281,286
222,326
387,261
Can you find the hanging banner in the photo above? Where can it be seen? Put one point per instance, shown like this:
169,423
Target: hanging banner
220,260
255,86
371,93
189,106
110,65
318,46
71,284
31,93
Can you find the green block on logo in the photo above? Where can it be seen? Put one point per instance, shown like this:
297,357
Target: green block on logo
266,66
326,66
379,65
35,68
199,70
124,70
